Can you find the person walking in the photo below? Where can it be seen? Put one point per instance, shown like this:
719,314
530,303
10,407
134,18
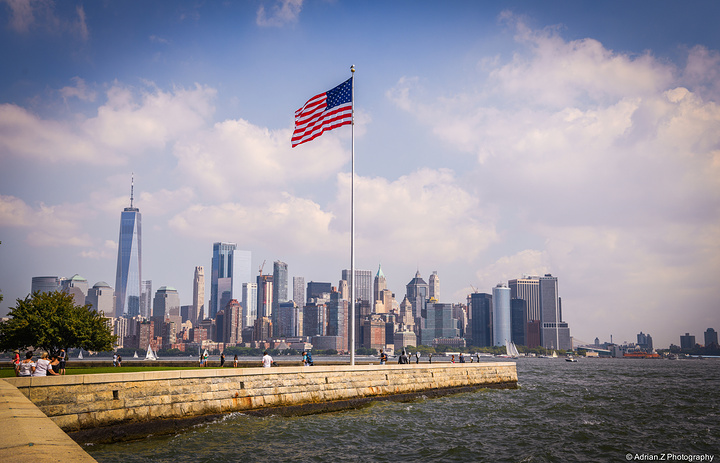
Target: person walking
267,361
222,359
383,357
417,357
119,360
452,358
430,357
462,358
235,361
114,360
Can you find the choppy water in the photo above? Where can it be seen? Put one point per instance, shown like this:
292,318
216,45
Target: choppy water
592,410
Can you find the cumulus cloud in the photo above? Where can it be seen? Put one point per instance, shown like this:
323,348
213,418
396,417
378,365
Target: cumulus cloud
80,91
131,122
57,225
610,160
282,12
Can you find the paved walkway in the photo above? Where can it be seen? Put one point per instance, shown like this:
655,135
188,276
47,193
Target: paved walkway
27,435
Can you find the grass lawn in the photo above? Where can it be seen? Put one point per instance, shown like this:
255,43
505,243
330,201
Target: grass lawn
9,373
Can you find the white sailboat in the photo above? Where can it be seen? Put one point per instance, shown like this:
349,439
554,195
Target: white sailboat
136,355
511,349
150,354
80,356
554,355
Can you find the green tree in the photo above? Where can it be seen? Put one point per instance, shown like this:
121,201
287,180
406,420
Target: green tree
51,321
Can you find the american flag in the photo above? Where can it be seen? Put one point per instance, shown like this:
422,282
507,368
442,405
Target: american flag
323,112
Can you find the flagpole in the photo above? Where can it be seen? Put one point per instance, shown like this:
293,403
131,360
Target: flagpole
352,226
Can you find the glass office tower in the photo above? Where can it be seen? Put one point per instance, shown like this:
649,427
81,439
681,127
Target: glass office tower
221,282
129,262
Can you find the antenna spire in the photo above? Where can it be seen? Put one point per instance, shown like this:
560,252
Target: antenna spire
132,188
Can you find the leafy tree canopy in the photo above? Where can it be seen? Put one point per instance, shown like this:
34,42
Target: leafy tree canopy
51,321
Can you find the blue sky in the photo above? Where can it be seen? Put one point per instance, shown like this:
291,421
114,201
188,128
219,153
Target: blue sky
493,139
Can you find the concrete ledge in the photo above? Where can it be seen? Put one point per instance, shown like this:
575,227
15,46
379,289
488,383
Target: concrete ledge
29,435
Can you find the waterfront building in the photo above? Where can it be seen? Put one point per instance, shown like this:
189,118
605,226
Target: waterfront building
373,332
221,277
128,274
166,305
263,329
264,296
405,338
280,288
528,289
316,289
76,286
439,323
45,284
249,304
481,322
417,291
299,290
501,315
555,333
146,297
344,290
644,341
518,321
102,298
315,317
711,337
687,341
289,322
243,268
434,286
379,285
363,284
198,306
406,314
232,322
337,318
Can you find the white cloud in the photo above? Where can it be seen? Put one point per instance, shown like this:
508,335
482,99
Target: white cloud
608,159
79,91
126,125
58,225
30,15
281,13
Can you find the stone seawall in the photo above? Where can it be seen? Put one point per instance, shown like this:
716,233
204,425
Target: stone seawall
83,402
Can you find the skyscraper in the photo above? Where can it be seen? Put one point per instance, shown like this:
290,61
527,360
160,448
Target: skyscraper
417,293
102,298
198,305
527,289
249,304
221,283
363,284
379,285
280,288
554,332
434,286
299,290
264,296
166,306
711,337
501,315
439,323
146,297
481,328
129,262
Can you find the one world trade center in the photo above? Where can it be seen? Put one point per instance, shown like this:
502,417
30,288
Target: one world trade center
129,262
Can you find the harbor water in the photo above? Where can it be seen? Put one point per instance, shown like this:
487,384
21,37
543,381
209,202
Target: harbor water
591,410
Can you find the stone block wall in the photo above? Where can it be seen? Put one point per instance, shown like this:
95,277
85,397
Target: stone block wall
87,401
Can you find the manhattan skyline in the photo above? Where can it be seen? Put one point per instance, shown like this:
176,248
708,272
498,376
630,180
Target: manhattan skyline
492,142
